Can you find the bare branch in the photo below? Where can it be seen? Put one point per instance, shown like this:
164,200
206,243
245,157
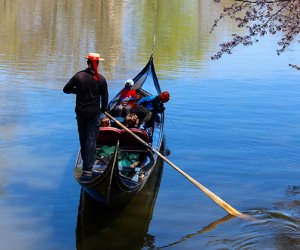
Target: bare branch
255,2
259,18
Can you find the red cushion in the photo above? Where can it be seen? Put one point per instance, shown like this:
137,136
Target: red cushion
108,136
126,139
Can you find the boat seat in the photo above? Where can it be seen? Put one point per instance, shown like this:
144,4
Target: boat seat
127,140
108,136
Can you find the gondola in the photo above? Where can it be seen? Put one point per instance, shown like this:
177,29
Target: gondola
115,182
100,227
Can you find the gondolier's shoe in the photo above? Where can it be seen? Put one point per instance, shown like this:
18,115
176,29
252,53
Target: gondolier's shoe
86,176
89,175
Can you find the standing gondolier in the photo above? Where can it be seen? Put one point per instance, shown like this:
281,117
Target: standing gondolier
89,87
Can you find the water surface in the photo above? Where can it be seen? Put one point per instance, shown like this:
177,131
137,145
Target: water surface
232,124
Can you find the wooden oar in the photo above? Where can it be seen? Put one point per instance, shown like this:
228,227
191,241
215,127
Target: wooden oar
209,193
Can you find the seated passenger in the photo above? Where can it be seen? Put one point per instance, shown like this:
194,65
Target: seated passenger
105,122
148,104
127,99
132,121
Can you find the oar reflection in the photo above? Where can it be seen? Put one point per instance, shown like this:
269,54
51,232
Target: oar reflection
205,229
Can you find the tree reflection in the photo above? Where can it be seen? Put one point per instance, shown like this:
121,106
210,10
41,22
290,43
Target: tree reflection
51,38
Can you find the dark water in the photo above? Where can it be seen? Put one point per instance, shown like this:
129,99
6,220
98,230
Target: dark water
232,124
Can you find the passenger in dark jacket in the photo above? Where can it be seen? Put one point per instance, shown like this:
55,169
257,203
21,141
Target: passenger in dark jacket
149,104
89,87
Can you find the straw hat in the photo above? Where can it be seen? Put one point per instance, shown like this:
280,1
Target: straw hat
94,56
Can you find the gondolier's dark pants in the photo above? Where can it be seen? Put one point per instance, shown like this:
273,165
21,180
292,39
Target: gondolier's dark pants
88,130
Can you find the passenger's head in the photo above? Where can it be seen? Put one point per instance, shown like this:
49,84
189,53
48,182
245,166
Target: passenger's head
131,120
164,96
128,84
105,122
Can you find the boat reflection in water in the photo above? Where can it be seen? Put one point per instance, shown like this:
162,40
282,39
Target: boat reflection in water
99,227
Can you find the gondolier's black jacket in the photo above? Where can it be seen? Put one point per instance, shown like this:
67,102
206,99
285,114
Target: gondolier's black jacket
88,93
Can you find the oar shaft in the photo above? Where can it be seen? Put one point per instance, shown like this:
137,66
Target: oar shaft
205,190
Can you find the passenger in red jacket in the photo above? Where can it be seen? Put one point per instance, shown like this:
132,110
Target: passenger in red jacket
127,99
